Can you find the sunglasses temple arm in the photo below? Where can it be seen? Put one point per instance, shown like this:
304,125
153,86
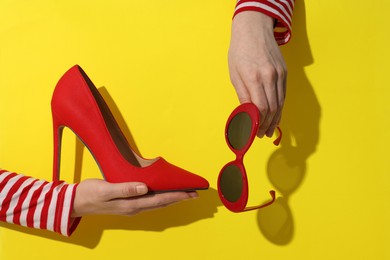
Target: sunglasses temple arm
277,140
272,192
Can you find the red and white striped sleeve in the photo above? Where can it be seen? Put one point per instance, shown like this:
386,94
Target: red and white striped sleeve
34,203
281,10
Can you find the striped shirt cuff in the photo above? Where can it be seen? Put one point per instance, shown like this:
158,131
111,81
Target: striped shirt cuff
281,10
39,204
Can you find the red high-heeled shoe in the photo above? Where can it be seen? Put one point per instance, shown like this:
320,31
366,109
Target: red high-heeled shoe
78,105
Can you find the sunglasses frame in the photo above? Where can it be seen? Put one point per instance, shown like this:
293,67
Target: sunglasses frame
240,204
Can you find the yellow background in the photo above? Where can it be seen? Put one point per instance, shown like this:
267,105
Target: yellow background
163,65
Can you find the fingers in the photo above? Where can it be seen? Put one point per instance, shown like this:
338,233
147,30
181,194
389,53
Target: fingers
281,90
132,198
155,201
266,89
97,197
257,85
135,205
241,90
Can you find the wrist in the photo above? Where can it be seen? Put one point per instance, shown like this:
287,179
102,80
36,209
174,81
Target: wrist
254,22
79,204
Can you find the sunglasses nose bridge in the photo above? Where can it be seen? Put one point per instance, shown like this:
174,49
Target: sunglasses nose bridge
239,158
239,155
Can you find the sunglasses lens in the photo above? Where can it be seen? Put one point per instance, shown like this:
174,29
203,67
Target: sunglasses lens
239,130
231,183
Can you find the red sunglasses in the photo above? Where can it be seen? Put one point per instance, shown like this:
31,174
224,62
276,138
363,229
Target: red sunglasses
240,131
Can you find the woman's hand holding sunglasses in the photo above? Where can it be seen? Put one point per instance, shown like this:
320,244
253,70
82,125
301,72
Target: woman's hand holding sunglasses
257,68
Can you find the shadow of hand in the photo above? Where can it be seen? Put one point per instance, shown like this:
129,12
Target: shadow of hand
301,123
91,228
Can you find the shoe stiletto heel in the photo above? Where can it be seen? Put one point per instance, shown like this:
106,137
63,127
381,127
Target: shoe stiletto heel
57,135
78,105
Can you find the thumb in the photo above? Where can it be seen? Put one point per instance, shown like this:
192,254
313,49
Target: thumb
126,190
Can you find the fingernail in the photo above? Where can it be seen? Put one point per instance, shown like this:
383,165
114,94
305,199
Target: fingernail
193,194
141,189
270,133
260,133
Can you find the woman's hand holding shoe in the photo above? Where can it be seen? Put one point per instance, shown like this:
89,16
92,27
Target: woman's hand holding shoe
97,197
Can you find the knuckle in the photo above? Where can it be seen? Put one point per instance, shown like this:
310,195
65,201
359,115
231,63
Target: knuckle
273,109
130,208
263,108
252,77
281,103
134,211
269,72
131,212
159,203
244,99
127,191
281,71
101,193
